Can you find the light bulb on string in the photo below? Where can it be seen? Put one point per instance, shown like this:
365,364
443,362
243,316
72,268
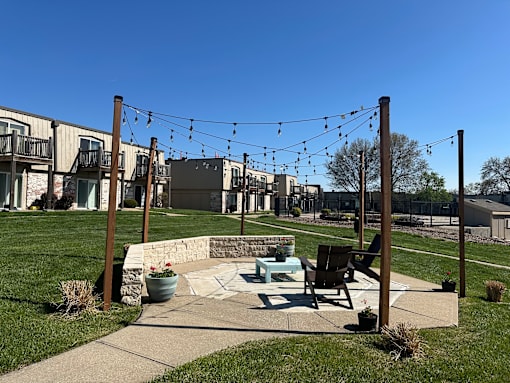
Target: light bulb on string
124,119
273,156
314,171
325,124
451,142
234,132
228,148
304,146
203,151
327,153
339,131
136,117
172,135
196,165
279,129
149,120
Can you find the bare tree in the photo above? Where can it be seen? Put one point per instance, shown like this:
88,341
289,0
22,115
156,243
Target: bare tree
495,175
407,164
344,169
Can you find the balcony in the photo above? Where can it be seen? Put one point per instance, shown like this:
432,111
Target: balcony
22,148
237,182
296,190
98,159
160,171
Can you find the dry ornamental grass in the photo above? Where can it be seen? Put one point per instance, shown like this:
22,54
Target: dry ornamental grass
77,297
403,340
495,290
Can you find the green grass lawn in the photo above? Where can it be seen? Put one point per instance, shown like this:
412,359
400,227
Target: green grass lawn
38,249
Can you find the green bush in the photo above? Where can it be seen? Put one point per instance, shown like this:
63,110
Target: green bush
326,212
130,203
64,203
296,212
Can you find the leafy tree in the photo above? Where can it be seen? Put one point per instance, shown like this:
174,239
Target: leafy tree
495,176
344,169
407,164
431,187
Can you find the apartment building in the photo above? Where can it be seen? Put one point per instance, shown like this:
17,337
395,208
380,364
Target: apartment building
40,155
215,184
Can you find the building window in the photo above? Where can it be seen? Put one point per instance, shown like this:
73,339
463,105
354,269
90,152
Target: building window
7,127
236,179
87,194
89,144
5,190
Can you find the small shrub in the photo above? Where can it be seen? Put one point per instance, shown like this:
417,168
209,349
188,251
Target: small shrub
402,341
77,297
326,212
64,203
494,290
130,203
296,211
163,200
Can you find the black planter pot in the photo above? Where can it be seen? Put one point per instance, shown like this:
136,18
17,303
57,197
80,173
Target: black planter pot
280,257
448,286
367,323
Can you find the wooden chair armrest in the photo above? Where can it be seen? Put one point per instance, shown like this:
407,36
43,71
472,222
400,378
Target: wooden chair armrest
305,263
362,252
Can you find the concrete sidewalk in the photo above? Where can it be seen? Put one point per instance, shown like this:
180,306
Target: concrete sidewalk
219,303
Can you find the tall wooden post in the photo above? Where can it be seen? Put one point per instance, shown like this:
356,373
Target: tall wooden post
112,205
146,207
462,262
243,191
385,142
361,227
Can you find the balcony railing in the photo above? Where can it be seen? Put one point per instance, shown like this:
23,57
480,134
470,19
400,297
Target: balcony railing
25,146
159,170
98,159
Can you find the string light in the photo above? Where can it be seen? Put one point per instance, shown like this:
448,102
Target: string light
234,131
124,118
264,153
149,120
136,117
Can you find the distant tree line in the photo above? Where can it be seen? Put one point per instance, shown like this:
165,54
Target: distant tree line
410,172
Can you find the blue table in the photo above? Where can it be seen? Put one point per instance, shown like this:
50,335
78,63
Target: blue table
270,265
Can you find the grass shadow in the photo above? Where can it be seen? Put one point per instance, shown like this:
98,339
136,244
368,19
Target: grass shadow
116,283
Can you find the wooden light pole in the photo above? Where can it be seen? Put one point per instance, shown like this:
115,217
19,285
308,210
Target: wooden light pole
243,192
385,142
361,226
112,205
462,261
146,208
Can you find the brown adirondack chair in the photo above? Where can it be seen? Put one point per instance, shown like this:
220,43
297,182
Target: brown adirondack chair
329,272
365,259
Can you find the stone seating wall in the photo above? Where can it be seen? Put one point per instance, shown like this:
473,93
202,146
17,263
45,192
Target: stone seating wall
140,257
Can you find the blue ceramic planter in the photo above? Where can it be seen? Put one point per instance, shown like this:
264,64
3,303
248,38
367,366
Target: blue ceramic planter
161,289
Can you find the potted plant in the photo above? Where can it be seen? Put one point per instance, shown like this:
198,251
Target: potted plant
367,319
161,284
448,284
286,247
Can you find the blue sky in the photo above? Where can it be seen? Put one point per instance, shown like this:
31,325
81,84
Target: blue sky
444,64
